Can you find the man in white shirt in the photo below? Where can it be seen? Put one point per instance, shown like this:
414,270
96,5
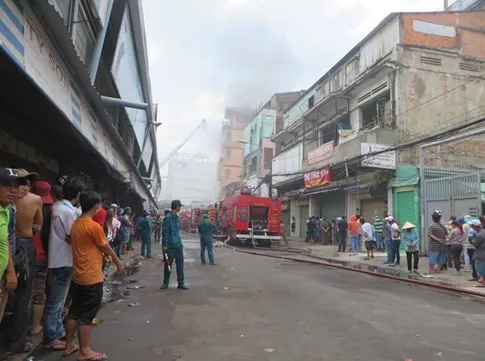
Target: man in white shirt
60,264
368,233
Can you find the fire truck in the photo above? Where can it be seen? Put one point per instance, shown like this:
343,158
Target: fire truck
249,219
196,218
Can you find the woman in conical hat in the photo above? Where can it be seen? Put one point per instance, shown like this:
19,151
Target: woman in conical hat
411,241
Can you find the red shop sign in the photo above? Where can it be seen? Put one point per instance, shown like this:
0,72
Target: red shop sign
317,178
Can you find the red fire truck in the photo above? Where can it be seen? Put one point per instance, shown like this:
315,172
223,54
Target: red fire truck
196,218
250,219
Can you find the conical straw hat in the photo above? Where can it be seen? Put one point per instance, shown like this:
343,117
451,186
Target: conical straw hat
408,225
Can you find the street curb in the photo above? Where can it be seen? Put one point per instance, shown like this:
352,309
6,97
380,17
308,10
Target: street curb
331,263
37,340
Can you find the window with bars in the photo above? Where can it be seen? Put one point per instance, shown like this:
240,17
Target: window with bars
85,29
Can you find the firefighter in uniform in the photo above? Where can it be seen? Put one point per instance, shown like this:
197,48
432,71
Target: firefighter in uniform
205,231
172,246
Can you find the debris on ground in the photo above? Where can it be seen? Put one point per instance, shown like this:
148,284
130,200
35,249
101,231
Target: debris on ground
134,304
134,287
269,350
218,244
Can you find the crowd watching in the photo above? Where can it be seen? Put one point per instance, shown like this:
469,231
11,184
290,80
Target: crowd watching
56,245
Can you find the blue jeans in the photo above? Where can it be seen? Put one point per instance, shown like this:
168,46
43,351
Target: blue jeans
54,306
390,259
354,243
395,255
379,241
146,245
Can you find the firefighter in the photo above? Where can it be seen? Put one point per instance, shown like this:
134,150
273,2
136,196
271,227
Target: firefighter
205,231
172,246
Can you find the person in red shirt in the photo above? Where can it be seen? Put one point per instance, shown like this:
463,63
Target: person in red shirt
100,217
41,244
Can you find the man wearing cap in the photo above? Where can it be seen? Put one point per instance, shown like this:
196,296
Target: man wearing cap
9,189
205,231
172,245
29,221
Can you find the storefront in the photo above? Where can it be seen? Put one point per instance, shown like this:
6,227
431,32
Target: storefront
286,213
304,205
330,204
406,196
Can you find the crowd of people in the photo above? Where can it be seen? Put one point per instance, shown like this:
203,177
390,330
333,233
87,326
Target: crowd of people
56,243
449,242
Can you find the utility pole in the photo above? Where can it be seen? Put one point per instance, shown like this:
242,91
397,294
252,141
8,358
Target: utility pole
445,5
270,183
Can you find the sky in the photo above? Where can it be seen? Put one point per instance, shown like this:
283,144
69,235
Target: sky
206,54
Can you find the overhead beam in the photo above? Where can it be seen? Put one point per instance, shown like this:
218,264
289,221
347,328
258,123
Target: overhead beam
124,103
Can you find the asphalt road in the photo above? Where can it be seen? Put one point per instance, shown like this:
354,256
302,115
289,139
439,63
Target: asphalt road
252,308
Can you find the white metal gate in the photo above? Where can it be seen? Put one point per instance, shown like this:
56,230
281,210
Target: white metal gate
450,174
452,194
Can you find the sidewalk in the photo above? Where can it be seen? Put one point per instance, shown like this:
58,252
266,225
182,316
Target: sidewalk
330,254
37,340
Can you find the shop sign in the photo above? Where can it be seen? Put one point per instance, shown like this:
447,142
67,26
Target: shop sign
323,152
386,160
317,178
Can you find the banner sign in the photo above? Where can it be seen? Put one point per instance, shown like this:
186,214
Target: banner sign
317,178
323,152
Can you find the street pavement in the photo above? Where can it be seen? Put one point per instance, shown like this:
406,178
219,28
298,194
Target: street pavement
252,308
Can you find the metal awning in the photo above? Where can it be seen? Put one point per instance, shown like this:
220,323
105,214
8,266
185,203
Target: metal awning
319,191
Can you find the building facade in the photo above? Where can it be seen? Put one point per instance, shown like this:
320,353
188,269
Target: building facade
77,97
192,178
414,76
258,147
231,154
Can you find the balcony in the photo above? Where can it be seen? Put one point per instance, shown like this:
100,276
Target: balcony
351,146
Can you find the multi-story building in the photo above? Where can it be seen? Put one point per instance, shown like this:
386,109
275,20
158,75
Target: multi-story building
414,76
465,5
231,156
258,147
76,96
192,178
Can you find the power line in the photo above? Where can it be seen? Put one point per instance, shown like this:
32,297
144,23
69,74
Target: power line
427,102
394,148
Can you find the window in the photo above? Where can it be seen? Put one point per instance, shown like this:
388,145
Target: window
311,102
85,28
65,9
227,174
328,133
376,112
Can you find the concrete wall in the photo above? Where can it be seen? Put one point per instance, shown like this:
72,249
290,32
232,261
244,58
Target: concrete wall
433,98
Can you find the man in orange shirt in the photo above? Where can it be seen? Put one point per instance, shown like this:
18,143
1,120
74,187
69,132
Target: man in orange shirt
89,246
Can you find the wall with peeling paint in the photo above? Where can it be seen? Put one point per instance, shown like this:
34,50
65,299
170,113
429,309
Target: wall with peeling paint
437,91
